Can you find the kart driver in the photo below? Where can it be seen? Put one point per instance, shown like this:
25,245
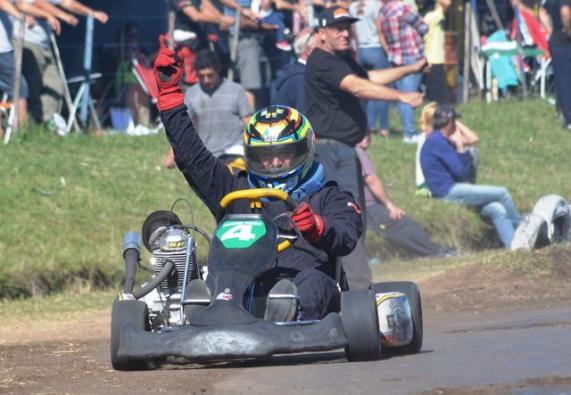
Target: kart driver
279,148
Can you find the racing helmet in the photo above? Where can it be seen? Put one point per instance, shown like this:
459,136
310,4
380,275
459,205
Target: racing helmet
279,148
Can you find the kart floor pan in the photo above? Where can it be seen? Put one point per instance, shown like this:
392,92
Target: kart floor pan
261,339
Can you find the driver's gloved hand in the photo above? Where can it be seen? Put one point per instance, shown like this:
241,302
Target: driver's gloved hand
309,224
168,73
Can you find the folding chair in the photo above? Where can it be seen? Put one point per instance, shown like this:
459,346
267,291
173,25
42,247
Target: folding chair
7,111
146,79
534,34
77,99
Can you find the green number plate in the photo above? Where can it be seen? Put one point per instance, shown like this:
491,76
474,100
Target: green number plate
240,234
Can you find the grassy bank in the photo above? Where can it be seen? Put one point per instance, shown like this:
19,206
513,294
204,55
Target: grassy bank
65,203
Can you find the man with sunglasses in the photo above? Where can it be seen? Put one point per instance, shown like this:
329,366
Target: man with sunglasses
334,86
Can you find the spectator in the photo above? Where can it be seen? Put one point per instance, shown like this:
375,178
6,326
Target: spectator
288,87
219,109
334,84
403,29
271,17
7,63
560,47
248,53
371,56
39,65
435,78
193,20
469,139
447,166
127,88
189,19
386,218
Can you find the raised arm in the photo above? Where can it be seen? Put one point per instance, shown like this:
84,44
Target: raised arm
392,74
55,11
78,8
364,89
206,175
9,8
32,10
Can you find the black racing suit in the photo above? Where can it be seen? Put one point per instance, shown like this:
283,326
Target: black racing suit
312,266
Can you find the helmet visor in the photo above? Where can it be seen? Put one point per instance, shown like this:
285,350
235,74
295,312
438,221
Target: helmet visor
275,160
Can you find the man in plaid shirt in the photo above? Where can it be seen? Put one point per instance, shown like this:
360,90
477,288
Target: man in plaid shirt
402,29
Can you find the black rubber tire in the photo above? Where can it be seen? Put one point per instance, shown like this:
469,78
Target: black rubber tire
127,312
360,322
411,291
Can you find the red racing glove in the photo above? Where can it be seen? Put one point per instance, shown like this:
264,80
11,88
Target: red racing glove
168,72
309,224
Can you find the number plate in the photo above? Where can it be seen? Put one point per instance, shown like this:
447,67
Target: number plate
240,234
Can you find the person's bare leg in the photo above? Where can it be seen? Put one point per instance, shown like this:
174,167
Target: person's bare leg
22,112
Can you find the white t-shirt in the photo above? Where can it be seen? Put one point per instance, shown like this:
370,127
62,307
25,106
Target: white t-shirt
418,170
5,33
367,11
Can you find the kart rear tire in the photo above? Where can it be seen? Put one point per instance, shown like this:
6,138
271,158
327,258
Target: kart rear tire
126,312
360,322
412,293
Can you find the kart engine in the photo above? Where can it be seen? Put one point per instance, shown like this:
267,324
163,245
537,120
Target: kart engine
177,245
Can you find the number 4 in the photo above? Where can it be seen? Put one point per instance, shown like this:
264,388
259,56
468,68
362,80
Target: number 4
241,232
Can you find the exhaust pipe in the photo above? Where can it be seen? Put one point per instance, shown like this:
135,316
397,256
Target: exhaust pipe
132,255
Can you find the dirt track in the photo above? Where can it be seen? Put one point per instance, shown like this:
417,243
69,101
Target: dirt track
71,356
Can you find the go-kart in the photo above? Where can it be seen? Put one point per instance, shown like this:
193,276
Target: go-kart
173,315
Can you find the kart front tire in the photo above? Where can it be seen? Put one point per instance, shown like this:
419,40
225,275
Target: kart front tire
126,312
360,322
412,293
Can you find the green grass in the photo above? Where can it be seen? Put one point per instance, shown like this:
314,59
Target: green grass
65,203
59,304
522,148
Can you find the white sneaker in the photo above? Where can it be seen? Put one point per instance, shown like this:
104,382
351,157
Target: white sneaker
410,139
57,124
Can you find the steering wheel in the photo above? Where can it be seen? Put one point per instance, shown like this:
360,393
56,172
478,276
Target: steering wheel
255,196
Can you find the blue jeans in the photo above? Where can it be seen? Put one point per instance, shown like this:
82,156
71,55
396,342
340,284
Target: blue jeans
492,202
410,83
374,58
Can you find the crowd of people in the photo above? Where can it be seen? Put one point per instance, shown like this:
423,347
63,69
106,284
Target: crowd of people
343,69
41,92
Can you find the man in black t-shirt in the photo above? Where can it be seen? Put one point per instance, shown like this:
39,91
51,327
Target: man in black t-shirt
334,86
